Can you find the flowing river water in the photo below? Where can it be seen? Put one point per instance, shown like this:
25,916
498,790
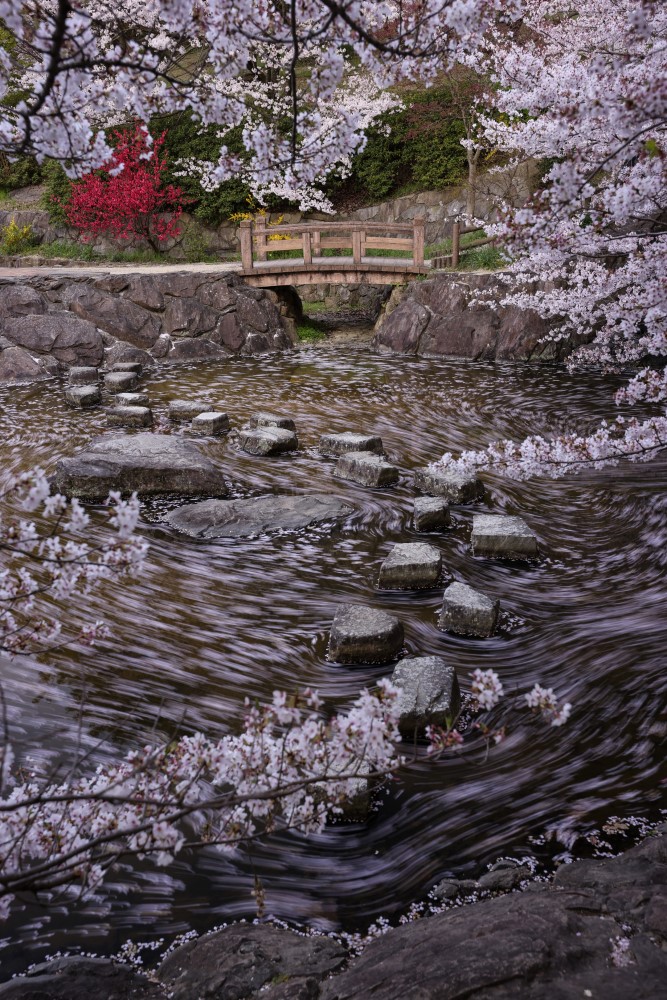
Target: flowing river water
208,624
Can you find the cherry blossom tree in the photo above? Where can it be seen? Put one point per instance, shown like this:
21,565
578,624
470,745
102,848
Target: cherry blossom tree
585,88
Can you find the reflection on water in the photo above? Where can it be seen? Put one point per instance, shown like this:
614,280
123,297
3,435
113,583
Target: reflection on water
211,623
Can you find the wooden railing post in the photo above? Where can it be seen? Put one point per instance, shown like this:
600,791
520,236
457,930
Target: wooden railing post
260,236
456,241
245,238
317,243
356,245
418,240
307,248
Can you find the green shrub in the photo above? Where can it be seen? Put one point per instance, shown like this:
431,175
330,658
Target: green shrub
15,238
19,173
57,192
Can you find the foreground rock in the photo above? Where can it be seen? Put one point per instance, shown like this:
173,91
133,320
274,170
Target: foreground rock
257,516
366,469
467,612
335,445
556,941
430,693
411,566
452,315
238,961
268,440
451,486
151,464
503,537
360,634
431,514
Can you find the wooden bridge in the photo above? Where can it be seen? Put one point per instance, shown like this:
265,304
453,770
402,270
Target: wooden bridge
366,253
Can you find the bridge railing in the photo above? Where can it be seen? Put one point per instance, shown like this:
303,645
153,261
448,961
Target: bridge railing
312,239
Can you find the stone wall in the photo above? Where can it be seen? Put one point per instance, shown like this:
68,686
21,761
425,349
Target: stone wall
49,322
442,316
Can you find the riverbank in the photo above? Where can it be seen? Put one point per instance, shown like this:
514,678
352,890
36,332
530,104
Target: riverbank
598,930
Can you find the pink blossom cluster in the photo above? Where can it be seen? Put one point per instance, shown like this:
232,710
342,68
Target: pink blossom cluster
544,701
289,767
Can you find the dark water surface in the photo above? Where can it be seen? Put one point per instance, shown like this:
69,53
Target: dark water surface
209,624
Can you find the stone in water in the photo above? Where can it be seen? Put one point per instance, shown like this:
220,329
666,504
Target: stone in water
265,419
430,693
411,566
83,376
452,486
210,424
82,396
187,409
132,399
502,536
467,612
116,382
129,416
151,464
366,469
360,634
431,514
334,445
255,516
267,440
127,366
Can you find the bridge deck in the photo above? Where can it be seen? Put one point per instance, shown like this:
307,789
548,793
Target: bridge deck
333,270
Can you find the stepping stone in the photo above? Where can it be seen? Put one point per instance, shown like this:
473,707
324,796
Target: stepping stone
129,416
411,566
128,366
430,693
467,612
82,396
187,409
116,382
334,445
431,514
502,536
83,376
267,440
357,805
265,419
132,399
360,634
210,424
255,516
453,487
366,469
151,464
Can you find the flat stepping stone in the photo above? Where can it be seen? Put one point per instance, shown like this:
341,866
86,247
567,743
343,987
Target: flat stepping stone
468,612
366,469
132,399
411,566
80,375
210,424
129,416
265,419
82,396
452,486
430,693
128,366
431,514
267,440
151,464
502,536
120,381
334,445
187,409
360,634
256,516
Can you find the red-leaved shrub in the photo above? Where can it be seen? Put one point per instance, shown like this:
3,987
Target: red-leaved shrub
127,198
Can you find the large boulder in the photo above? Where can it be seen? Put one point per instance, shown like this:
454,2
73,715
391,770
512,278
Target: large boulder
256,516
75,978
20,300
457,315
19,365
119,317
68,339
151,464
